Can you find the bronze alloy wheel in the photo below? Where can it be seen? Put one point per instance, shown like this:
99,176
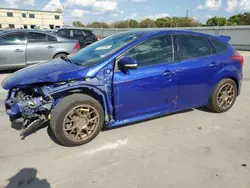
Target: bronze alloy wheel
81,122
226,96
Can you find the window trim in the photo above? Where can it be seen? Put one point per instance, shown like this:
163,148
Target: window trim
178,43
116,69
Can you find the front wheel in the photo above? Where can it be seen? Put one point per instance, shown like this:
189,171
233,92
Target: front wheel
223,96
77,119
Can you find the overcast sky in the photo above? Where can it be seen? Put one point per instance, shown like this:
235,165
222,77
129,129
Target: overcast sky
111,10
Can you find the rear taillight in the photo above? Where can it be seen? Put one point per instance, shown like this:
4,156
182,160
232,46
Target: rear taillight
238,57
77,46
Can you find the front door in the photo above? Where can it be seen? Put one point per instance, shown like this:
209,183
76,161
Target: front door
153,86
12,50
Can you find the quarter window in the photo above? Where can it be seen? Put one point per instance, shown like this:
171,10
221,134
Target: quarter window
193,46
13,39
36,37
220,46
51,38
157,50
9,14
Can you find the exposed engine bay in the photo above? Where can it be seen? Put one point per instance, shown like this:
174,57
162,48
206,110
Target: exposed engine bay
30,106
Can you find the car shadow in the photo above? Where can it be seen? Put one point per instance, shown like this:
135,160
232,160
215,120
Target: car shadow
26,177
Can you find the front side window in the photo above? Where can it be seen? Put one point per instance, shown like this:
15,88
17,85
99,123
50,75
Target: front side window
13,39
193,47
157,50
36,37
32,15
9,14
100,50
64,32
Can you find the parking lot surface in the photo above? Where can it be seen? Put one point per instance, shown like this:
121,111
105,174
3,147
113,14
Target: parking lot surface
193,148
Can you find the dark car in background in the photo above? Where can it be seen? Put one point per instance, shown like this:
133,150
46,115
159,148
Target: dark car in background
84,36
20,48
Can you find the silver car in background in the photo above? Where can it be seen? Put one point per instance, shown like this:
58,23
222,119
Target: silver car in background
20,48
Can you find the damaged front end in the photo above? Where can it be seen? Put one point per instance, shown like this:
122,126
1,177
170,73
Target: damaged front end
30,106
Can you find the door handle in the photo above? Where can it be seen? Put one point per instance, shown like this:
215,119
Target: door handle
18,50
168,73
49,47
213,64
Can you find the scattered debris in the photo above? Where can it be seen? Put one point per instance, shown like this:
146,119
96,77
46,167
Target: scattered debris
244,165
199,128
217,175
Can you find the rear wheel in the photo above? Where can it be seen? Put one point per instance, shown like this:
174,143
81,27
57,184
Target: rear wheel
60,55
77,120
223,96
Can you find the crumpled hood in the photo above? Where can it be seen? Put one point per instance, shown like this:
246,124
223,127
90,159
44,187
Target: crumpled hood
54,71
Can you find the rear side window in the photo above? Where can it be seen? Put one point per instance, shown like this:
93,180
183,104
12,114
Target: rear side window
51,38
157,50
77,33
194,46
13,39
220,46
36,37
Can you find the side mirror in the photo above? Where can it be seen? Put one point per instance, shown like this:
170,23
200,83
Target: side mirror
127,63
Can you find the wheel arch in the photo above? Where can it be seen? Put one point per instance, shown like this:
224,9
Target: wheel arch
88,90
57,53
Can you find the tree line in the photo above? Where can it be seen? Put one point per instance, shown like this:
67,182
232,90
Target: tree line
238,19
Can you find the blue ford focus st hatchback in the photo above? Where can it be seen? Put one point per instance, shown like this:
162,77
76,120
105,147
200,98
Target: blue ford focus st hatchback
124,78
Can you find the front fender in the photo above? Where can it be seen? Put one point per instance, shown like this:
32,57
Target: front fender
81,85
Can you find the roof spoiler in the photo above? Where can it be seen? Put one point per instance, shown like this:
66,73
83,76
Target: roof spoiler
225,38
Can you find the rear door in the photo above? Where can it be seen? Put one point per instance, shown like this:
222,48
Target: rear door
199,65
12,50
39,49
79,35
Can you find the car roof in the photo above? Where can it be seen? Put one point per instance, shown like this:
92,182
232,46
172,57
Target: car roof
9,31
74,28
149,31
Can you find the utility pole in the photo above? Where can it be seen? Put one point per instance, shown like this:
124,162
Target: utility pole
187,14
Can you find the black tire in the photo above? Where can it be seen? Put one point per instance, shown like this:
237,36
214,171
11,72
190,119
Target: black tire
63,108
216,96
60,55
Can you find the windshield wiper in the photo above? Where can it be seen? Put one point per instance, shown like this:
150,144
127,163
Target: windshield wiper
66,59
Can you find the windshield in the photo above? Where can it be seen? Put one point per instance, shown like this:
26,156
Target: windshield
102,49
